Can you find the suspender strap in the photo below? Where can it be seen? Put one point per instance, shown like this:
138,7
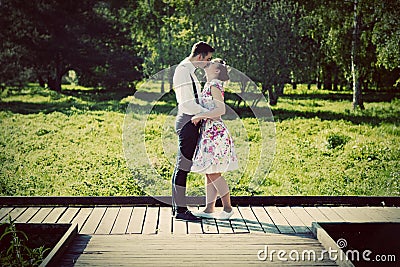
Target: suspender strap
194,90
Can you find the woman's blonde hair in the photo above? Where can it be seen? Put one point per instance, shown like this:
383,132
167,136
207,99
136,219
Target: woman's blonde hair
223,74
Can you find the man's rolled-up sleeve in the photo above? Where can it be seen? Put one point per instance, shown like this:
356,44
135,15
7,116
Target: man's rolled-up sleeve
184,93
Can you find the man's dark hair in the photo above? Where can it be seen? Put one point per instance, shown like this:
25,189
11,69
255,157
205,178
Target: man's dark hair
201,48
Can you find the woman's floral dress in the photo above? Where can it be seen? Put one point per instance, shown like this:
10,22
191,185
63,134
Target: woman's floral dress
215,151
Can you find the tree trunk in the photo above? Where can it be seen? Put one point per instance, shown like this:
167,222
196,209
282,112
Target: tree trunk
355,61
279,89
318,77
41,81
171,72
160,50
54,83
162,82
328,78
319,84
336,79
366,86
273,97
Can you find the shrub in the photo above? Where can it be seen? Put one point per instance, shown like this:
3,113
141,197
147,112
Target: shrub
18,253
335,140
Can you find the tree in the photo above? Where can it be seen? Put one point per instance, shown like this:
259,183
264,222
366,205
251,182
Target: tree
165,31
386,34
355,60
357,40
260,38
12,55
55,36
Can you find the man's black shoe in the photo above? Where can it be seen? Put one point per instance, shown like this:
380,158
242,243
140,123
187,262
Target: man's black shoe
187,216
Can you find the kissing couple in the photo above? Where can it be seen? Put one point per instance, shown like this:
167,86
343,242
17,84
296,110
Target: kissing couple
204,142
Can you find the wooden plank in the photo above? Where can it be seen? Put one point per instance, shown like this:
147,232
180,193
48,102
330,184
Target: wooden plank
93,220
91,200
136,222
303,215
317,215
224,226
4,212
54,215
279,220
82,217
179,227
74,251
165,201
297,225
213,226
238,224
195,227
380,213
358,215
194,250
40,215
349,215
27,214
264,219
252,222
150,221
393,213
166,260
372,216
209,226
122,221
331,214
205,226
165,221
170,240
107,221
68,215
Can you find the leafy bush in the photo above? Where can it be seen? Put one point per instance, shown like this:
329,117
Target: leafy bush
17,253
335,140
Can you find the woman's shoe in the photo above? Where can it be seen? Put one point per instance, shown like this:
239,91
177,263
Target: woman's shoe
224,215
202,214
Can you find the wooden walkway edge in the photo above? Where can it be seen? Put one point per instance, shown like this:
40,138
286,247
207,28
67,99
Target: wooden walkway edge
140,231
194,201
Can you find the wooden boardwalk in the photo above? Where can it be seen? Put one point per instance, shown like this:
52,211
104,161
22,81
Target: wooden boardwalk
157,220
148,235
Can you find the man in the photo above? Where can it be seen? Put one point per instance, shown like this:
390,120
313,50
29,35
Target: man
187,90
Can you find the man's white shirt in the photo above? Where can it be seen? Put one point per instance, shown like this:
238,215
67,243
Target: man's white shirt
184,89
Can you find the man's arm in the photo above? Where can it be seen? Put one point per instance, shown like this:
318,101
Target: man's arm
217,111
184,92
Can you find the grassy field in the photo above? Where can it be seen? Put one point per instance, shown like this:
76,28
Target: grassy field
72,144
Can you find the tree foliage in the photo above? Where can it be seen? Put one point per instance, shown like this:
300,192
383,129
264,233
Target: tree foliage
113,43
261,38
48,38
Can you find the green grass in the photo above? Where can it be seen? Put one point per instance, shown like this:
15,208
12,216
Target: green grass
71,144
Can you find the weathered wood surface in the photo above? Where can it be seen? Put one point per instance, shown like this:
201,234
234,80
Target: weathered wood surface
198,200
157,220
149,236
192,250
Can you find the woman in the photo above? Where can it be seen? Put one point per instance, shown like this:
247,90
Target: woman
215,151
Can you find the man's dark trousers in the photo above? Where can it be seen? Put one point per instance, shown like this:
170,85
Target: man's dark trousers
188,135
